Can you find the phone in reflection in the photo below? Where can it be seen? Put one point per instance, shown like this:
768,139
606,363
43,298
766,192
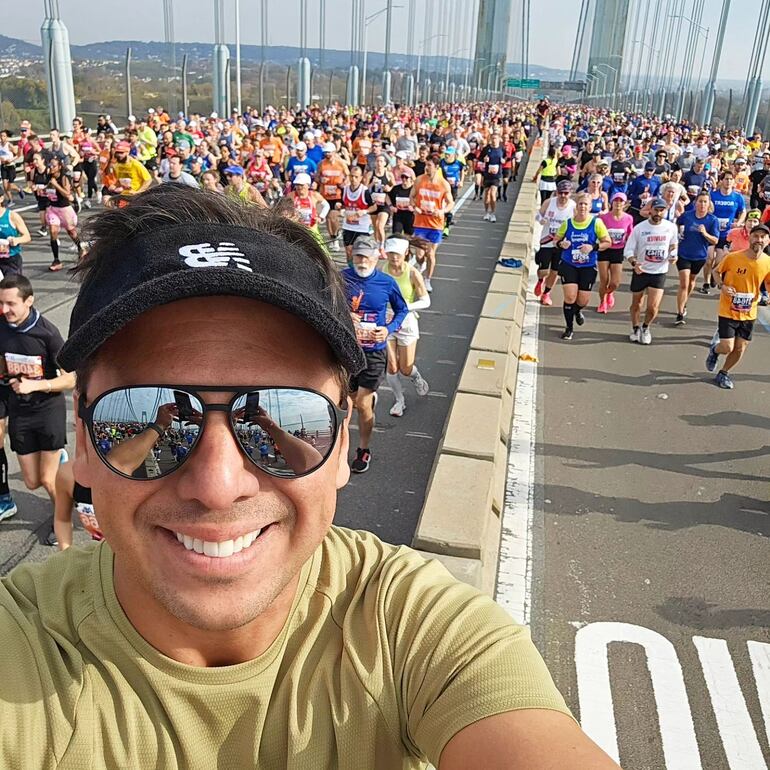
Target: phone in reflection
183,405
251,410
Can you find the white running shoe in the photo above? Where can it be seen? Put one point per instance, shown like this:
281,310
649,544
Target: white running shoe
636,335
428,286
397,410
486,216
334,246
420,385
646,337
42,233
492,218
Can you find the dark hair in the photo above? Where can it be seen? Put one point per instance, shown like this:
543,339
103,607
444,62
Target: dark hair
20,282
170,204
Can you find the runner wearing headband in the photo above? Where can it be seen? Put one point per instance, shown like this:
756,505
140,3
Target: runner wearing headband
402,345
619,225
554,212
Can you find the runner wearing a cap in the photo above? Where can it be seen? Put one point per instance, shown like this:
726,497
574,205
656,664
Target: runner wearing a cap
580,238
239,188
357,207
619,225
299,163
130,175
650,250
402,345
453,170
642,189
431,200
380,182
742,275
698,234
331,177
369,294
224,575
554,212
310,208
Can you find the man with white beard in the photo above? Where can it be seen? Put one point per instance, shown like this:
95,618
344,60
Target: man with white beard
369,292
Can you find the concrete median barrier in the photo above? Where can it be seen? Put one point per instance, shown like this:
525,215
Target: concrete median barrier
460,520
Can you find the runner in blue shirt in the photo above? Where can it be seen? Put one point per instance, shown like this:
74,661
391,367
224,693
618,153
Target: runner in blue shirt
730,210
643,189
453,170
300,163
369,293
698,234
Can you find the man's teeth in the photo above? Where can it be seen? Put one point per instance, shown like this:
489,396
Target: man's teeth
218,550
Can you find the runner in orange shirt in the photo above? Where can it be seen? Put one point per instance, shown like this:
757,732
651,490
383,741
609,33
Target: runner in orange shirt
431,199
331,177
273,148
362,146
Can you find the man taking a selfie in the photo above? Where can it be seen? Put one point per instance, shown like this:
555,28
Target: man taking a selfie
223,621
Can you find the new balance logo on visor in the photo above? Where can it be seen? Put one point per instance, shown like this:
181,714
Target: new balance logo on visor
206,255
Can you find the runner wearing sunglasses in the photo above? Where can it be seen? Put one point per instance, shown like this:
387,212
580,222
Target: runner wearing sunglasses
313,646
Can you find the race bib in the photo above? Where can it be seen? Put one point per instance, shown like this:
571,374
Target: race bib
619,177
87,518
402,204
365,328
50,193
125,182
644,197
616,236
742,302
305,215
493,168
352,216
723,223
655,255
31,367
578,258
330,190
378,198
693,189
5,247
428,207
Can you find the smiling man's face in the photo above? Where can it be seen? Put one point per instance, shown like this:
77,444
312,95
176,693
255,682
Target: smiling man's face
217,494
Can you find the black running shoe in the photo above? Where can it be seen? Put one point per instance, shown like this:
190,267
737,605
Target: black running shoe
52,540
580,319
362,461
680,320
567,334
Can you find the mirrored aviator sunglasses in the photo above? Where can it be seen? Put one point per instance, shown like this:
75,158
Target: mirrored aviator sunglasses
146,432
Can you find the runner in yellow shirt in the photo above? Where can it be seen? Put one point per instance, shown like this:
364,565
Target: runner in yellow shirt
742,275
132,177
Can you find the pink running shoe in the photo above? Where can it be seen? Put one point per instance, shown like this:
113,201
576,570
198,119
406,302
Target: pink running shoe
546,299
611,300
539,287
602,306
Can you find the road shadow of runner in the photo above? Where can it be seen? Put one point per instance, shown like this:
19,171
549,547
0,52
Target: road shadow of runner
745,514
696,612
653,377
727,419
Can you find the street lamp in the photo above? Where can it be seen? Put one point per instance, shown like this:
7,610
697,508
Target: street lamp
612,95
419,53
367,21
482,71
448,63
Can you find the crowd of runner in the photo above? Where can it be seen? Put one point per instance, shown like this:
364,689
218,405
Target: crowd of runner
378,190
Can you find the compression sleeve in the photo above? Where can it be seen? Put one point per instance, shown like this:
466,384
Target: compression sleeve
419,304
324,212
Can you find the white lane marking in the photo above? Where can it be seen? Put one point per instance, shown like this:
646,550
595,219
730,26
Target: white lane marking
760,662
461,202
514,571
733,720
597,713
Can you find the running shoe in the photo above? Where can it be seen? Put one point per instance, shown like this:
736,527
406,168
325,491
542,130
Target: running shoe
492,218
646,337
636,335
428,286
375,396
362,461
7,507
610,300
397,410
539,287
63,456
546,299
567,334
51,540
680,320
602,307
764,300
21,194
580,319
421,385
42,233
486,216
55,266
712,358
724,380
445,232
87,204
704,289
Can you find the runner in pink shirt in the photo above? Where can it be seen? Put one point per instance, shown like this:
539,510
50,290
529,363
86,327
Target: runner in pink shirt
619,225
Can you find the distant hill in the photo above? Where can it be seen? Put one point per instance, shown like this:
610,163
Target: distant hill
10,46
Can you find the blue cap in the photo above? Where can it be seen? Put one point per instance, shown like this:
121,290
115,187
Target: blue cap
658,203
234,169
450,151
649,166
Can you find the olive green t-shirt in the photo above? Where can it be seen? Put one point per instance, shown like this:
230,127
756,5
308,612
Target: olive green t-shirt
383,658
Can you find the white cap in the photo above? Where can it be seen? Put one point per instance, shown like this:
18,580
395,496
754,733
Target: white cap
302,179
132,118
403,154
307,135
317,132
300,146
214,115
151,111
330,147
397,246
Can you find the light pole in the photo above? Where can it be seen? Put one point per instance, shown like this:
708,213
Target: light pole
710,95
482,71
448,64
367,21
420,49
689,61
238,56
615,72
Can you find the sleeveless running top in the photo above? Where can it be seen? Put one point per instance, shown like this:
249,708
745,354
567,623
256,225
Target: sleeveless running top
85,510
377,189
307,211
7,230
404,281
550,169
430,198
354,203
596,204
332,179
578,237
554,218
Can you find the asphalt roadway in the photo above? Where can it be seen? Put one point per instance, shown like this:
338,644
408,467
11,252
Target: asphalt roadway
651,536
387,500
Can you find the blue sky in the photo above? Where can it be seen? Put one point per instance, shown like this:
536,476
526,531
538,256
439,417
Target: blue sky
551,38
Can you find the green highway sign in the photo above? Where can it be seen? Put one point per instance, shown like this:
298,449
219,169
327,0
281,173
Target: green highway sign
513,83
530,84
522,83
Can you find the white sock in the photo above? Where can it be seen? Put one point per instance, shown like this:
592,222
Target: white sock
395,385
415,374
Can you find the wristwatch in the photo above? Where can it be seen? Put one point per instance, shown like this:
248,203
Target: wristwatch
156,428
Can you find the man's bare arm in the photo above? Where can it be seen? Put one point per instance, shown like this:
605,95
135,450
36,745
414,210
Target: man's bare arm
528,739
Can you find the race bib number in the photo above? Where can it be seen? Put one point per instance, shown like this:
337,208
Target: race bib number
616,236
305,215
723,223
402,204
5,247
578,258
428,207
365,328
352,216
693,189
330,190
619,177
125,182
493,168
655,255
87,518
31,367
553,227
378,198
742,302
50,193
